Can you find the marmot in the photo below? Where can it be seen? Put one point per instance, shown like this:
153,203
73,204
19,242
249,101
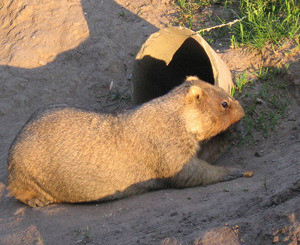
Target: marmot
68,154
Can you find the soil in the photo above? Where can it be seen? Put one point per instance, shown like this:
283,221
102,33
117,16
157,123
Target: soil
72,51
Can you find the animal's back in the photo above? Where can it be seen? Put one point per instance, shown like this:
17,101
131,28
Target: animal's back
66,154
77,155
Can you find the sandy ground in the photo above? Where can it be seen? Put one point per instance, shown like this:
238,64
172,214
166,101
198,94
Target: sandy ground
69,51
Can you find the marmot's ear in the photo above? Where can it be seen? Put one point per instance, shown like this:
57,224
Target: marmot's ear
191,78
195,93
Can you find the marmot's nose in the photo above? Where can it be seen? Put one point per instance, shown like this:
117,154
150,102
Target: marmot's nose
240,111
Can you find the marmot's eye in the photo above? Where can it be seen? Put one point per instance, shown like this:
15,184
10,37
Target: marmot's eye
225,104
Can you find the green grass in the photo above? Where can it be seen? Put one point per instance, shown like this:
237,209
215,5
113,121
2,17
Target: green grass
265,184
115,97
264,21
266,101
188,9
267,21
241,80
84,236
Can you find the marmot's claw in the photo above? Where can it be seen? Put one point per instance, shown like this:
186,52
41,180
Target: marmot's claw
248,174
35,202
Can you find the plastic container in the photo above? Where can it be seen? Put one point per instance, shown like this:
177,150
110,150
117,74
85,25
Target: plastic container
171,54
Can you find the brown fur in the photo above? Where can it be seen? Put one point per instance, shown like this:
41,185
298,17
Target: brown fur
67,154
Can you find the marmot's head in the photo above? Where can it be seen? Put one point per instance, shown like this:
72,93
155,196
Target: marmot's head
208,109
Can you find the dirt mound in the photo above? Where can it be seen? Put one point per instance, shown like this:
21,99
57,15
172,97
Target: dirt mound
32,36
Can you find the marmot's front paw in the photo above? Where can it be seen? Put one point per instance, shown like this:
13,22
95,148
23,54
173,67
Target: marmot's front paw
248,174
234,173
237,173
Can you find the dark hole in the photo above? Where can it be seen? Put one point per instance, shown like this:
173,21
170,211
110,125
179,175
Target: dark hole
154,78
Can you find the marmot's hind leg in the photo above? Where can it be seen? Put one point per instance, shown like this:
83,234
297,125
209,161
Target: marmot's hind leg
35,202
31,196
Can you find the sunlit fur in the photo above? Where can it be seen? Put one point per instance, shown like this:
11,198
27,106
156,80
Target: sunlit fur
67,154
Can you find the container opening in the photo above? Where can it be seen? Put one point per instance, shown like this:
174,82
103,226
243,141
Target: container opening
156,78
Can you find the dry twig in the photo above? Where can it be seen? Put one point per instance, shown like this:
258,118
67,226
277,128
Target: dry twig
222,25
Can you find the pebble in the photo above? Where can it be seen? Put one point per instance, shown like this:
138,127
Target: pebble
259,101
258,154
